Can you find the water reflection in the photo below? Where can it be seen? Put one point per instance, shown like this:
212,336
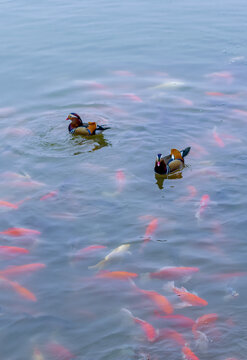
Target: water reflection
160,178
98,141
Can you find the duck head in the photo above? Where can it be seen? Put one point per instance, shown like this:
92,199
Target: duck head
75,120
160,165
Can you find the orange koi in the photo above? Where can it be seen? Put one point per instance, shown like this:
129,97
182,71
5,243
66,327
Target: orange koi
203,205
13,250
8,204
22,291
192,193
218,140
226,75
88,250
148,329
20,232
16,270
212,93
171,334
170,273
159,300
188,354
188,297
58,351
229,275
133,97
176,320
203,321
152,226
118,275
49,195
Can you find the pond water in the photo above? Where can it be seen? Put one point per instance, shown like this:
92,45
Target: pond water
85,222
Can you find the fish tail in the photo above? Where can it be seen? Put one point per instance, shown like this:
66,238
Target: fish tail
99,265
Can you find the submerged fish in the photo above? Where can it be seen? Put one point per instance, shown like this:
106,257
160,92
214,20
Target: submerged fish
8,204
187,297
19,232
203,321
148,329
20,269
188,354
12,250
205,199
120,250
171,273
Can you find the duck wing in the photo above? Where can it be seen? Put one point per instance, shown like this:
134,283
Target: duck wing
167,158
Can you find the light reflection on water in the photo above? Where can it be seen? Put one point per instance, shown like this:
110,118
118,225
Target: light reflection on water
156,92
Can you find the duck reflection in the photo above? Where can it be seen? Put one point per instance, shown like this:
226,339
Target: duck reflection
98,141
160,178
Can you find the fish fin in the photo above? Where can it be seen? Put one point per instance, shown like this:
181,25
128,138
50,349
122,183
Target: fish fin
169,286
185,152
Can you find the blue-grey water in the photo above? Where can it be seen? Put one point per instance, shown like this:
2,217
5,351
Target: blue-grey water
162,74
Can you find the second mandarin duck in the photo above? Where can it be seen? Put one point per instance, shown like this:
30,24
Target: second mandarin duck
77,126
168,164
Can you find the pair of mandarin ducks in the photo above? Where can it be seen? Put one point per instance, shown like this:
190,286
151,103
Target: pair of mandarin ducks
164,165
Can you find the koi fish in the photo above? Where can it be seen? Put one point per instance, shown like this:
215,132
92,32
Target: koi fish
188,354
176,320
20,232
203,205
123,73
150,229
12,250
202,321
133,97
159,300
58,351
120,250
192,193
171,334
189,298
226,75
120,177
170,273
218,140
148,329
118,275
169,84
22,291
16,270
8,204
88,250
186,102
211,93
37,355
49,195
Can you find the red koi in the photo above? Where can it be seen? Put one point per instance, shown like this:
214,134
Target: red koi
218,140
203,205
202,321
16,270
120,177
12,250
188,354
171,334
20,232
176,320
88,250
171,273
118,275
59,352
49,195
152,226
159,300
22,291
188,297
8,204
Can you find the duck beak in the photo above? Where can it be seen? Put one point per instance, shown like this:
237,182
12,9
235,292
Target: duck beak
158,163
68,118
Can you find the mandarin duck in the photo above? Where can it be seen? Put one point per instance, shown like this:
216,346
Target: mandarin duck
78,127
165,165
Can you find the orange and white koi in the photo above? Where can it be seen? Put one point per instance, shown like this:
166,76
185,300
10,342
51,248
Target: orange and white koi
148,329
171,273
58,351
205,199
49,195
88,250
188,354
118,275
8,204
20,269
217,138
187,297
12,250
20,232
203,321
159,300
